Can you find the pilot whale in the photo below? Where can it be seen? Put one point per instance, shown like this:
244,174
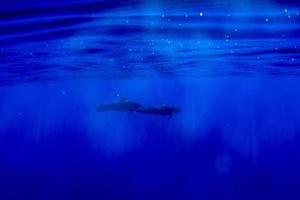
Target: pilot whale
122,106
159,110
129,106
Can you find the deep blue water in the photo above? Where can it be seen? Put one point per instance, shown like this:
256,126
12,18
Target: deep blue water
232,67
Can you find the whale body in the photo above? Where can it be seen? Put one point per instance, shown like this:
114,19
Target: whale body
129,106
159,110
122,106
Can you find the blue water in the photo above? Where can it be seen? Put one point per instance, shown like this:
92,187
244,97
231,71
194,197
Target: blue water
232,67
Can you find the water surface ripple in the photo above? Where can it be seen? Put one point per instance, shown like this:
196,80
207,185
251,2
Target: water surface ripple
101,40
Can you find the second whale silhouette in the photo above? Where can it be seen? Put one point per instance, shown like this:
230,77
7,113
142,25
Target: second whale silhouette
160,110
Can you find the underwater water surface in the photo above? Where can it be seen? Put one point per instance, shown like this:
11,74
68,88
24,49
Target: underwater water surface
233,70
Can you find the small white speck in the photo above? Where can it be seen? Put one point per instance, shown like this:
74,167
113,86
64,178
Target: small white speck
162,16
267,19
235,30
285,10
228,15
201,14
292,59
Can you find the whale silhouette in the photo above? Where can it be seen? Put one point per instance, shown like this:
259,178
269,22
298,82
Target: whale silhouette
122,106
160,110
129,106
